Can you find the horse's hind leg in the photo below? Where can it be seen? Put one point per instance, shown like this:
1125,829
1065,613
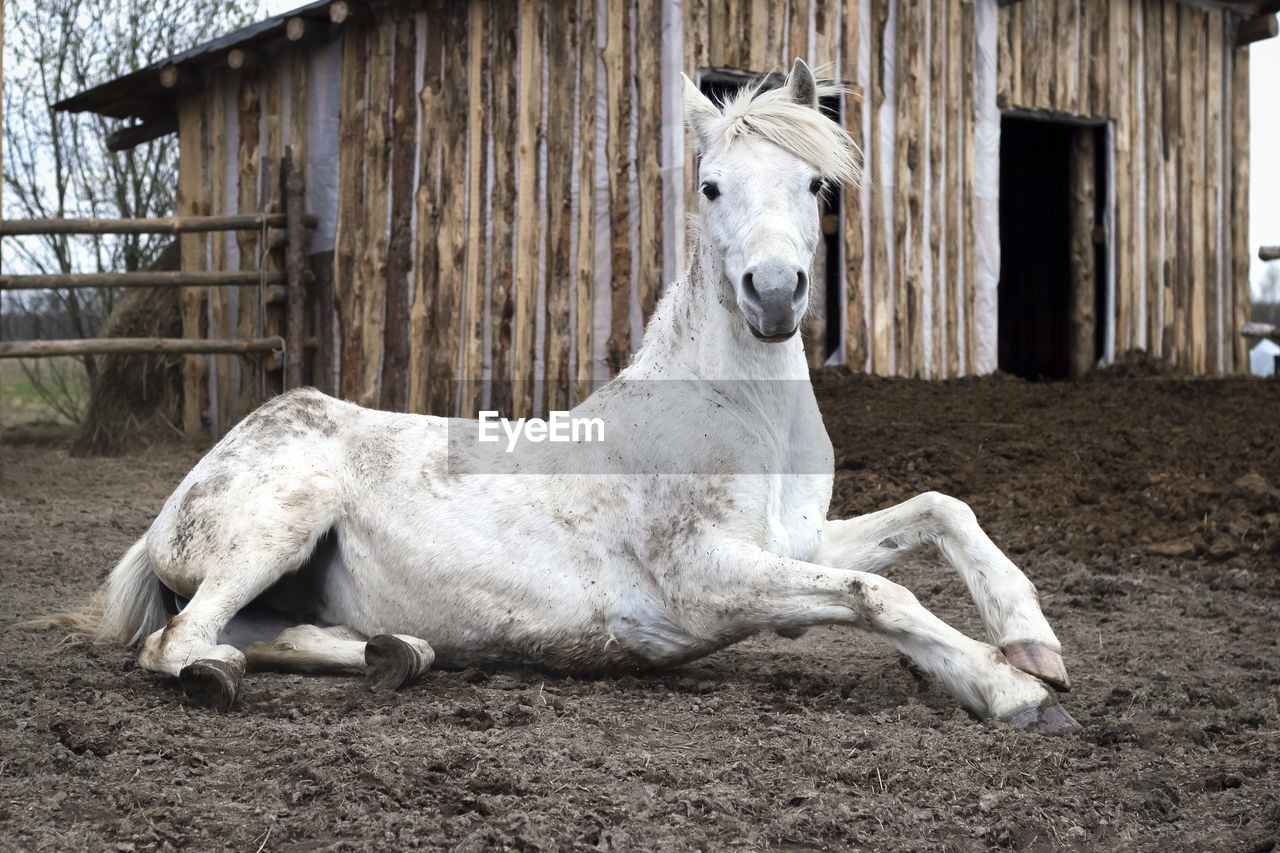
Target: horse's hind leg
387,661
224,551
1006,600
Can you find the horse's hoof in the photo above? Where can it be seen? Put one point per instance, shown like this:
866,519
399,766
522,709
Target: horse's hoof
390,663
1039,660
1048,718
211,683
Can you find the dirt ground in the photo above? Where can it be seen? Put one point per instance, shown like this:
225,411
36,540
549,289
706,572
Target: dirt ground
1146,510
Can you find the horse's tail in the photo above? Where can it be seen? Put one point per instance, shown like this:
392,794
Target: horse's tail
128,607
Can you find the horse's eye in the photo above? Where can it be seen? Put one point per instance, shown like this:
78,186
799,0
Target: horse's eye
815,186
711,191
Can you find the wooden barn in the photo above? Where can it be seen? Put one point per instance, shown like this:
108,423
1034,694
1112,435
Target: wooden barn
501,187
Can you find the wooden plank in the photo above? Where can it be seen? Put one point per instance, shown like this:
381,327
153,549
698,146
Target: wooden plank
757,33
878,255
1004,55
562,51
906,199
617,67
584,293
1068,86
248,320
404,141
1099,57
529,216
271,198
814,331
1194,61
1083,274
191,200
855,304
451,230
222,402
1239,213
718,36
371,269
967,102
426,270
299,113
1152,94
648,79
826,34
1186,155
1170,137
1212,142
1031,11
471,378
775,40
1046,18
1084,14
505,38
351,153
937,146
798,30
952,190
105,346
1137,224
1119,77
295,266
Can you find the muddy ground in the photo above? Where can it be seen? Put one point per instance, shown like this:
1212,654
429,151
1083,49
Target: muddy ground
1147,510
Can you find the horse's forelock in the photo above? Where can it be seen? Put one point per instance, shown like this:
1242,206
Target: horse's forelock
795,128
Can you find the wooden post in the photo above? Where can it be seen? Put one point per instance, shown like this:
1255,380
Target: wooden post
295,259
561,64
585,262
855,306
1083,272
404,143
1256,29
191,201
504,123
617,67
1269,253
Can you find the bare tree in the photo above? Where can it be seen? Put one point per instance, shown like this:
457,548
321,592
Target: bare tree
57,164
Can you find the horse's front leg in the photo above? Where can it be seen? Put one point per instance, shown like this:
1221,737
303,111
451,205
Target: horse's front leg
769,592
1006,600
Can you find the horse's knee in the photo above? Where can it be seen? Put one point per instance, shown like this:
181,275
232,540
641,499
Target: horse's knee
942,513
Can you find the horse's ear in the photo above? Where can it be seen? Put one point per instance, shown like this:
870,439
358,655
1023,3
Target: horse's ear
699,114
801,86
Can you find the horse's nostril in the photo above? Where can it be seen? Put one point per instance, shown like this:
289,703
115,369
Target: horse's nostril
749,289
802,287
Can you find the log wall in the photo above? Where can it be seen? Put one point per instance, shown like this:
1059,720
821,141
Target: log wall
501,203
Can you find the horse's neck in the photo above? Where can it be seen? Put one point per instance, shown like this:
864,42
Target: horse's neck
697,331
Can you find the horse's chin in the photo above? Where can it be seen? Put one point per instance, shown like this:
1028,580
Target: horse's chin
772,339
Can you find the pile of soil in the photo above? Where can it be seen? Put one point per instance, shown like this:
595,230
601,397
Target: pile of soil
1144,510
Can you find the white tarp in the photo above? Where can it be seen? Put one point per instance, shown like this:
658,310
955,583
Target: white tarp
1262,358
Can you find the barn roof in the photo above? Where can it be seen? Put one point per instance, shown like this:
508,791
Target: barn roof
142,95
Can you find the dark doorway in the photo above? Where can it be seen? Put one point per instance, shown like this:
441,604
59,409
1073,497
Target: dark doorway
1052,252
720,84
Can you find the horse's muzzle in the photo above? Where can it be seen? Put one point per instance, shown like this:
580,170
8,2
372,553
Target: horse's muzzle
773,296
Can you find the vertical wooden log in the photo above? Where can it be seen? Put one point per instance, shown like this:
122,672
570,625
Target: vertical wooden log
1004,56
271,199
1152,94
937,145
617,68
855,304
192,201
1084,62
426,271
696,23
1137,141
757,35
529,216
404,139
878,253
562,52
1069,57
470,383
1195,58
826,36
584,294
968,106
798,30
351,110
294,267
371,269
909,240
954,186
451,231
648,76
1045,53
1186,199
1083,274
1239,212
1099,57
1031,11
222,399
1212,143
1170,179
299,131
503,116
1120,81
776,37
248,118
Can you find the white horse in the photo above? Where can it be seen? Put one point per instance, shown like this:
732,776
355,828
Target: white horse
319,536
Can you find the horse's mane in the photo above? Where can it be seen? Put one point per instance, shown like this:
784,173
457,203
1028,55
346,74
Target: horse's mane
757,110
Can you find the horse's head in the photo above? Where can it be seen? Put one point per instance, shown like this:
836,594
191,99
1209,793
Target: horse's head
765,161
